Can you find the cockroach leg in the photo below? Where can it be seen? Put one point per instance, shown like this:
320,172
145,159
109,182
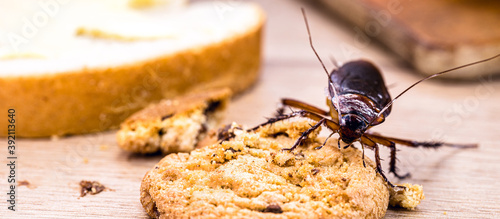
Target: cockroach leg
391,143
305,135
226,136
303,106
324,143
392,146
392,164
363,153
371,144
302,113
321,120
425,144
277,119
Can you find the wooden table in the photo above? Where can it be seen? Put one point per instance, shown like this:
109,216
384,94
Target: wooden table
457,183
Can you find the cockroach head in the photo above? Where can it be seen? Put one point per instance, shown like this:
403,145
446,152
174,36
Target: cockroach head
352,128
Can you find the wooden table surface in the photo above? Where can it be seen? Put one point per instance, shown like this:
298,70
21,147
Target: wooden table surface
457,183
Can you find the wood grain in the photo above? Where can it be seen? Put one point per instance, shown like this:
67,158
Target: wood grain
457,183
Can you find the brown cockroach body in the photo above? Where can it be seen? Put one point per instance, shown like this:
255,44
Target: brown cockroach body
358,100
361,94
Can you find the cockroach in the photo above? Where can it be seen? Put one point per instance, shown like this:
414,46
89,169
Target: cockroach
358,100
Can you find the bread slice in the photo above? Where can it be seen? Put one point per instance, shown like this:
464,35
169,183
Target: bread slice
65,72
173,125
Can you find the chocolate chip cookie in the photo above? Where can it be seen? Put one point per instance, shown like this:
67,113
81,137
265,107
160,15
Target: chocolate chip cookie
249,176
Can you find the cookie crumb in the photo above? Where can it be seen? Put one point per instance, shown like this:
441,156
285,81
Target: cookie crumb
407,198
85,160
90,187
445,213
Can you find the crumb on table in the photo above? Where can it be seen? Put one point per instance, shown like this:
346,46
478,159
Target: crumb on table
407,198
90,187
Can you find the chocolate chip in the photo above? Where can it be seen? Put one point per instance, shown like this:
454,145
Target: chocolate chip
273,208
161,132
314,171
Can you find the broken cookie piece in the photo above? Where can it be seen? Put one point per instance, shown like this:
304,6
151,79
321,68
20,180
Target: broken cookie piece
249,176
175,125
90,187
407,198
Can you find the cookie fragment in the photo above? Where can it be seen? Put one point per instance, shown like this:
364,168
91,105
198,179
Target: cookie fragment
407,198
249,176
175,125
90,187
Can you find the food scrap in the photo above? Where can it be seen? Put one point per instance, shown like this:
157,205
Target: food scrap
407,198
90,187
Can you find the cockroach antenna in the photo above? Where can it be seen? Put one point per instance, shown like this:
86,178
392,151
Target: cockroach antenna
427,78
334,99
311,42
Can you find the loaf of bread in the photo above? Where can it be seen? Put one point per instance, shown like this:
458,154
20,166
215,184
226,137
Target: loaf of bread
70,67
